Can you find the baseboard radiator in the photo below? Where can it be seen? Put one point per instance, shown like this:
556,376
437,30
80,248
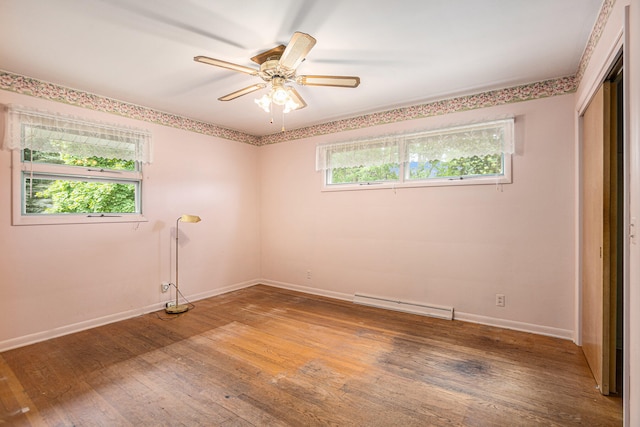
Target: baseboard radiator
405,306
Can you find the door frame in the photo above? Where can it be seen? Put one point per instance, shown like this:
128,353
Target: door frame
618,46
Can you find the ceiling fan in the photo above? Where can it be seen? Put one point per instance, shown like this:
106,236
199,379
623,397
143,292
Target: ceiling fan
277,68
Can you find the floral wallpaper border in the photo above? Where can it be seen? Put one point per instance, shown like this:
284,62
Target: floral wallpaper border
596,32
559,86
492,98
39,89
29,86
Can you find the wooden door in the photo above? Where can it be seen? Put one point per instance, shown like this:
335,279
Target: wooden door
599,195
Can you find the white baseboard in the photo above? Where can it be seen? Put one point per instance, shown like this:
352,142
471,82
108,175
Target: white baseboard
112,318
93,323
465,317
75,327
220,291
516,326
307,290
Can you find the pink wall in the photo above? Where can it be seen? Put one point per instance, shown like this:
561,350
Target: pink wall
453,246
61,278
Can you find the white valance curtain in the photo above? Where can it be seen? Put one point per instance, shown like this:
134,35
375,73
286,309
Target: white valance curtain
370,152
480,140
57,133
495,138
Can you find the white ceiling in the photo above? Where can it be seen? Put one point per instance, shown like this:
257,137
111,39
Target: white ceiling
405,51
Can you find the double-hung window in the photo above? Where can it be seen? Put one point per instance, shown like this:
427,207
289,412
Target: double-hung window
67,170
472,154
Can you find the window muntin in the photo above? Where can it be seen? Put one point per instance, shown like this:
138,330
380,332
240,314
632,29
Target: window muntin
471,154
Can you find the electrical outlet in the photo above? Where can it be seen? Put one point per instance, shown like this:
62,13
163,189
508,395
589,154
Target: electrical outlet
170,304
164,286
500,300
309,274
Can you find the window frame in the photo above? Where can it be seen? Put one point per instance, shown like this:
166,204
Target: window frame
24,168
42,131
404,182
505,178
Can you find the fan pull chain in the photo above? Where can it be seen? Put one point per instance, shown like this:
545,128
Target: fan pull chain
282,120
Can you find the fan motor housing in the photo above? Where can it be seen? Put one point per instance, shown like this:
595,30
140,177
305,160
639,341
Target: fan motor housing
271,68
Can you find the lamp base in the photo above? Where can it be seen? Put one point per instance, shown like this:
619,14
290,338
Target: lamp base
177,309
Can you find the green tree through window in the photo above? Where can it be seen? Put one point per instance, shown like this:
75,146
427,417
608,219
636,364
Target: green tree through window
386,172
56,195
490,164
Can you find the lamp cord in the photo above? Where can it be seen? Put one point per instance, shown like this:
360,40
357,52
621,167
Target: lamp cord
189,303
175,316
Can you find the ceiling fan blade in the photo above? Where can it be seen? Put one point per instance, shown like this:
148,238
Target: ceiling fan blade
336,81
295,52
295,96
239,93
276,52
227,65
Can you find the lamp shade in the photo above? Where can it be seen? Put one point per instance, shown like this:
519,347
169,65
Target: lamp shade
190,218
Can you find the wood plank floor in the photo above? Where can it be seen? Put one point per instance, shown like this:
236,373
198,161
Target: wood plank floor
263,356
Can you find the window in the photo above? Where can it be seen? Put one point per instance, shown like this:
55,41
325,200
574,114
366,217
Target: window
375,161
73,171
471,154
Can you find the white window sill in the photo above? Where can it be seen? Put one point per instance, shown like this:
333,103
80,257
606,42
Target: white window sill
418,183
76,219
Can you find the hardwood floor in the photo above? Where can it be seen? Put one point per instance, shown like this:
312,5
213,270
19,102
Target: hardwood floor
266,356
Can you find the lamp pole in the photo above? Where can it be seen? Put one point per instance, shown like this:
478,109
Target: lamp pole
177,308
177,246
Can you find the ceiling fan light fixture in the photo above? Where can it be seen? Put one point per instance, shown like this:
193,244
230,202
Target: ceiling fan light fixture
290,105
264,102
279,92
280,95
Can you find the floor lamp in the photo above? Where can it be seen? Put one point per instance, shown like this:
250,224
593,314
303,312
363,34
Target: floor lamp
180,308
